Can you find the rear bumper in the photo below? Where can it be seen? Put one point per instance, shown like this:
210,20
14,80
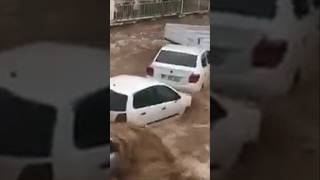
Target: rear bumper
188,88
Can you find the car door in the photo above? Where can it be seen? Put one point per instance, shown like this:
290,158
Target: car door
145,106
168,102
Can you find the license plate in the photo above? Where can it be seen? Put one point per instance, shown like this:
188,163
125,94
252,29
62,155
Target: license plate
171,78
174,78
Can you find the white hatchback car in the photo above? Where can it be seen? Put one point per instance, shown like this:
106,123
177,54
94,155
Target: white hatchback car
144,101
52,129
182,67
233,125
257,48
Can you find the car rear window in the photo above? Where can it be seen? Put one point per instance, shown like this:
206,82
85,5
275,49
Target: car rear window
27,126
261,8
118,102
177,58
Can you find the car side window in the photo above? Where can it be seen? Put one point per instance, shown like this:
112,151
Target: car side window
144,98
90,125
216,110
204,62
166,94
301,8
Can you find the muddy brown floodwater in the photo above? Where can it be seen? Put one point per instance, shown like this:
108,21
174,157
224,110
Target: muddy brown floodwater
289,143
133,48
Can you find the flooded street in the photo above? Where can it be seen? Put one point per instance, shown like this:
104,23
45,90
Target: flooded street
289,141
133,48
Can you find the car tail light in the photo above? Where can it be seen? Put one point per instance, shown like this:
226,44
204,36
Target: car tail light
194,78
121,118
150,71
39,171
269,54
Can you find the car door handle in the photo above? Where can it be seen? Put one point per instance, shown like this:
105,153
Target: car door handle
164,108
144,113
103,165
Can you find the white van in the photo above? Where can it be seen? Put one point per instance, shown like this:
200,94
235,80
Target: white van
188,35
53,125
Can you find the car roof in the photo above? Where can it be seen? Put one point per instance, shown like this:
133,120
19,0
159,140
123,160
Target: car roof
184,49
129,84
53,73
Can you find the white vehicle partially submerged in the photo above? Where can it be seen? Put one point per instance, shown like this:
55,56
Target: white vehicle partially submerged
182,67
144,101
234,124
53,100
258,49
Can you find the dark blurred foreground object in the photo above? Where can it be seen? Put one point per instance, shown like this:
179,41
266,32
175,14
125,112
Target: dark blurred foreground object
258,46
54,101
76,21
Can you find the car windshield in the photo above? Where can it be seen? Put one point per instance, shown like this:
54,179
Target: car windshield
118,102
177,58
263,8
